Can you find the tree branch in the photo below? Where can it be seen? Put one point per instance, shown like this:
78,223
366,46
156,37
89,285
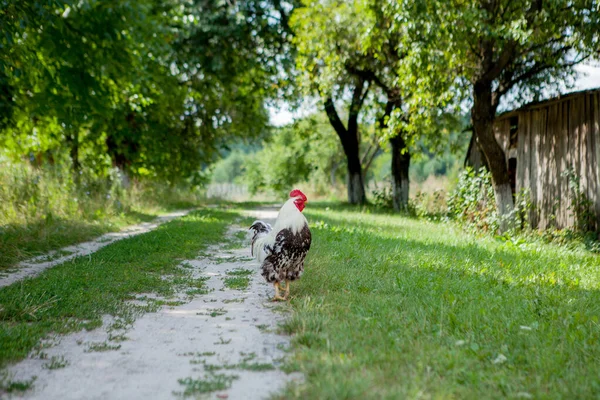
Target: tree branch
367,75
370,159
537,69
334,118
355,105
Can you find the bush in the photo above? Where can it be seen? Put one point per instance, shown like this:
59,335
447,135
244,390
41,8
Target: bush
472,201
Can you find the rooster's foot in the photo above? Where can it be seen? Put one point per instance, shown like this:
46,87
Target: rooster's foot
277,296
287,290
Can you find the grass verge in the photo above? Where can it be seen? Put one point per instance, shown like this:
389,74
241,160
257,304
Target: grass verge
21,241
42,209
75,295
391,307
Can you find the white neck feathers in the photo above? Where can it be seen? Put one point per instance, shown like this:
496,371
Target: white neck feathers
290,217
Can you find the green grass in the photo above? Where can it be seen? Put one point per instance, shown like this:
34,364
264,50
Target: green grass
212,383
101,347
9,386
75,295
56,363
238,279
41,209
247,363
21,241
392,308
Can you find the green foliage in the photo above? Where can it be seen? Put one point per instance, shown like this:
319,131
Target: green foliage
230,168
382,198
472,201
306,151
526,48
328,35
152,87
581,207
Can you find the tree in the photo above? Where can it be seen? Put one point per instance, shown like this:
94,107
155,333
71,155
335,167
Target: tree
328,40
355,51
153,87
324,37
494,48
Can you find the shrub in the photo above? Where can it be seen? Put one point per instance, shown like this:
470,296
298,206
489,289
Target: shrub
472,201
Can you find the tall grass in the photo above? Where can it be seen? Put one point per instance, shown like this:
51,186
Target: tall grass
41,208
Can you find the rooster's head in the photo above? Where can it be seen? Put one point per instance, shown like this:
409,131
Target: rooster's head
300,199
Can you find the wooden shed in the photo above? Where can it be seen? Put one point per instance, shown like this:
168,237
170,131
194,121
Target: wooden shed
541,141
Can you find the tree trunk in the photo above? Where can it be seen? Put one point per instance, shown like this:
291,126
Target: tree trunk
400,179
482,116
349,139
73,141
356,187
332,174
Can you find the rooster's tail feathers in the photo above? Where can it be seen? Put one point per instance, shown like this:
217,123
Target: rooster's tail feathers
259,230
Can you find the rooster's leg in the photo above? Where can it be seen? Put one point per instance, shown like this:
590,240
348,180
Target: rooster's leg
287,290
277,296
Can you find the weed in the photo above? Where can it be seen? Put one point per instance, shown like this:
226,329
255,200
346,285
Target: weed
240,272
581,207
238,279
56,363
117,338
8,385
217,312
223,341
264,328
256,366
101,346
247,356
54,255
212,383
239,300
196,292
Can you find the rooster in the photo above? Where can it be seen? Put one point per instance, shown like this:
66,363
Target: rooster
281,249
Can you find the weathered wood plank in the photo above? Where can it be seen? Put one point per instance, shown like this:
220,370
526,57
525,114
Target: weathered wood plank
521,159
573,154
596,130
551,139
562,166
551,170
583,146
543,171
534,171
590,156
523,156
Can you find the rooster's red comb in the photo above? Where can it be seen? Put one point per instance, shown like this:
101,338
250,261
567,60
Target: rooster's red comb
298,193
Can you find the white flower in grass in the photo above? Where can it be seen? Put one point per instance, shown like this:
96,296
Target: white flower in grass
500,359
525,328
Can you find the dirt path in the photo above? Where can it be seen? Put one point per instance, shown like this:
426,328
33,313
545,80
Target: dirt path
35,266
222,338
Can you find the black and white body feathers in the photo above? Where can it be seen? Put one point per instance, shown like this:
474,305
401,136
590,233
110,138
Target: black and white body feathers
281,249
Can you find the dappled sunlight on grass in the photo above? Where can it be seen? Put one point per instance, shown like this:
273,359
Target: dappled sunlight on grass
393,307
